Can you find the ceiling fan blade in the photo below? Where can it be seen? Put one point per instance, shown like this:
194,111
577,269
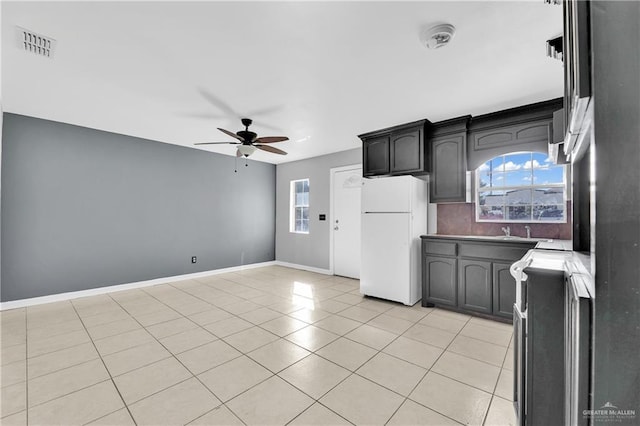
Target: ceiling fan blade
259,123
217,143
207,116
218,103
233,135
238,153
265,111
272,139
271,149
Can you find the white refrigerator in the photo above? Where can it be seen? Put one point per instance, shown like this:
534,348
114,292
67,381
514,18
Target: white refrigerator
394,215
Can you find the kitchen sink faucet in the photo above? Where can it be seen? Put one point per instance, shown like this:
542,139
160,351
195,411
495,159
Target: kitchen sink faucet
507,231
528,228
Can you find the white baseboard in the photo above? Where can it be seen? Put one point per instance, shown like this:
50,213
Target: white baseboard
129,286
303,267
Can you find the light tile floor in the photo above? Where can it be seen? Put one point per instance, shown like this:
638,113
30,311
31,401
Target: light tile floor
265,346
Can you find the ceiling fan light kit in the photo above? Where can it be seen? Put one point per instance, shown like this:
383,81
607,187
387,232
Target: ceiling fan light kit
246,150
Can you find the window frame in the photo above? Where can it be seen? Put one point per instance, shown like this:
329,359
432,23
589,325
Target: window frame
530,186
293,207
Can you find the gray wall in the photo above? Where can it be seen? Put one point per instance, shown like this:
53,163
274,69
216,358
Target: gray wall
83,208
308,249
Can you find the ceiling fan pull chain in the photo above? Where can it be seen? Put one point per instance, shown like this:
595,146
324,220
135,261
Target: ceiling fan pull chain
246,163
235,169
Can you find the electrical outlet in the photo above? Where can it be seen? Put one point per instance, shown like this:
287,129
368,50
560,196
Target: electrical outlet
194,259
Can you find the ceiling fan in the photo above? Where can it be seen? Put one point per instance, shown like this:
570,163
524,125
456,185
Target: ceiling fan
249,141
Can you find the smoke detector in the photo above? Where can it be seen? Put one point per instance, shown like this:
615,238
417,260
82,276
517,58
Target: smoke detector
38,44
437,36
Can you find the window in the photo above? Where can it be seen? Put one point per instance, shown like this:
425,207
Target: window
299,215
521,187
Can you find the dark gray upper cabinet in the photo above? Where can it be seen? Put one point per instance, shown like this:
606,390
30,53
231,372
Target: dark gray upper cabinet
447,149
577,72
397,150
556,144
447,182
516,134
407,151
526,128
557,134
375,156
474,285
448,145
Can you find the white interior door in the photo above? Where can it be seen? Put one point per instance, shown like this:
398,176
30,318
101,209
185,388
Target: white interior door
346,222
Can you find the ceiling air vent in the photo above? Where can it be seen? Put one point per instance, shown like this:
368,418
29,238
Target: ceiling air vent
36,43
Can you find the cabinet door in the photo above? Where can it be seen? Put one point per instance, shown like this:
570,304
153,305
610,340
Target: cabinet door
576,56
448,168
407,151
439,280
504,290
474,285
375,156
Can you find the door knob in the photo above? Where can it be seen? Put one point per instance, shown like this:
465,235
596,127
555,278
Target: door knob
335,228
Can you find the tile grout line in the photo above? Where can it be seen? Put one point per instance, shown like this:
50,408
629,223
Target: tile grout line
178,360
309,407
484,419
107,369
100,356
492,393
434,372
216,408
426,372
354,372
291,384
281,314
464,355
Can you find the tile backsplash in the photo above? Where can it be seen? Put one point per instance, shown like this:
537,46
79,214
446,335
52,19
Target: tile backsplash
459,219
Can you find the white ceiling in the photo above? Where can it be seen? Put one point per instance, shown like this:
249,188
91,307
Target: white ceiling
318,72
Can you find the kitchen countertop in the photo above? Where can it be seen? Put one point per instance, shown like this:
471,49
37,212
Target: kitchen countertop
542,243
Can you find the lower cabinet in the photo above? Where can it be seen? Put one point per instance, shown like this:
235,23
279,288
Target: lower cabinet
474,285
504,290
471,275
440,272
